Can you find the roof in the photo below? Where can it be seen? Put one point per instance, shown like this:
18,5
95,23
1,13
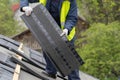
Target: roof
15,7
10,51
22,33
28,39
9,47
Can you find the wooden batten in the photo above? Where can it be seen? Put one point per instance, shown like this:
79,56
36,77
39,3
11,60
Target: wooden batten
18,67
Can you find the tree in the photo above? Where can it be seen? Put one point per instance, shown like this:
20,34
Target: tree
8,26
100,50
105,11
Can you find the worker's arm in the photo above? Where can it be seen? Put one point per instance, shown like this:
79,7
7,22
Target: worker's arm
72,16
24,6
24,3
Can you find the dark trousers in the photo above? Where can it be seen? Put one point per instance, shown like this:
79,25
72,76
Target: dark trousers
74,75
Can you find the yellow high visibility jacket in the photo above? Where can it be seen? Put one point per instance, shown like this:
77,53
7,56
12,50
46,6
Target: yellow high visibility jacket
63,14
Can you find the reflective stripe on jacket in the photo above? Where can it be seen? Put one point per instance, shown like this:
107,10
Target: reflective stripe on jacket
64,11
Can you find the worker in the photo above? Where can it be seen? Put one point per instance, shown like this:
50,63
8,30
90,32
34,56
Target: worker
64,13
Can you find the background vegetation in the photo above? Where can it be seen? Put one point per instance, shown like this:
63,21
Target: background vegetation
8,26
105,11
99,45
101,50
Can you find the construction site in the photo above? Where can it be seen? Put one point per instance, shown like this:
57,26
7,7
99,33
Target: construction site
94,55
19,62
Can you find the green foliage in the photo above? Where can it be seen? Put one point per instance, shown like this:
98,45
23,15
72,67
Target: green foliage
104,11
101,50
13,1
8,26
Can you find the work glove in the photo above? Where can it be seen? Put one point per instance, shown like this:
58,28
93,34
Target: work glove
28,10
65,32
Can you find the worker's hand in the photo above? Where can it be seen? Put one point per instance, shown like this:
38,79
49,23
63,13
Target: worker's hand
65,32
28,10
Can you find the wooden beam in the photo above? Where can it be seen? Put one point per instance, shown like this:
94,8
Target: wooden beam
18,67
